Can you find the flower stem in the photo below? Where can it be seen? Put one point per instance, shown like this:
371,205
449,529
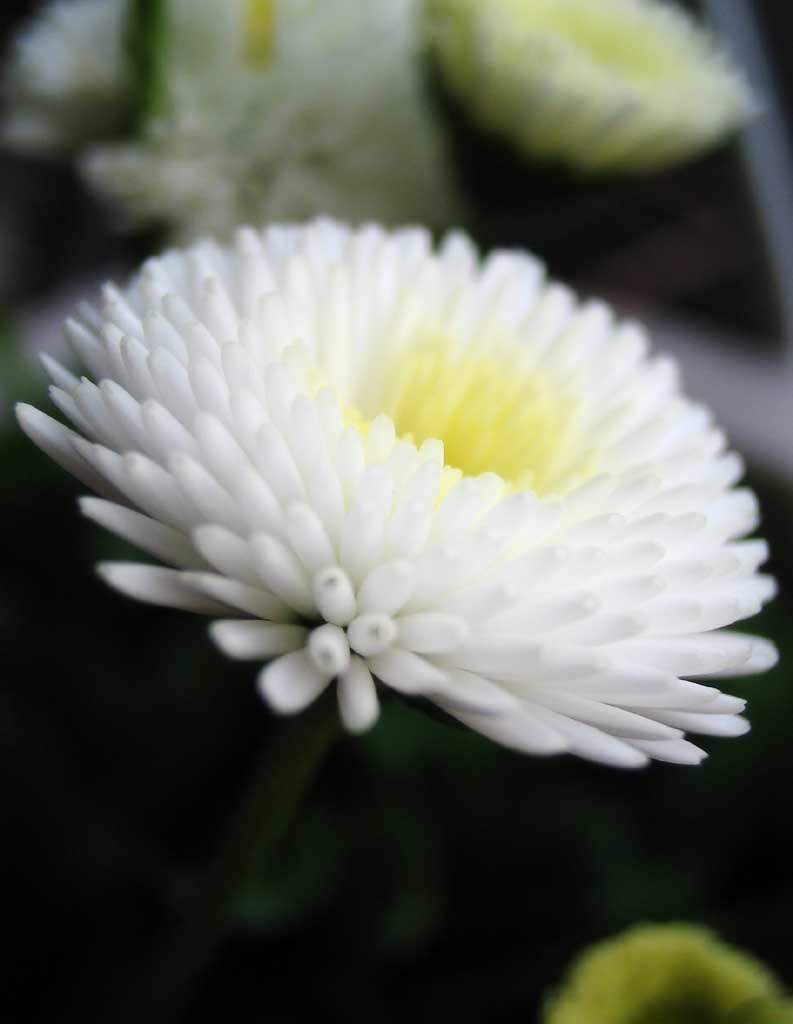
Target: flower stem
281,777
146,43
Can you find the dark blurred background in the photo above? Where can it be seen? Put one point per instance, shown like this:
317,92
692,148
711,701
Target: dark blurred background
430,872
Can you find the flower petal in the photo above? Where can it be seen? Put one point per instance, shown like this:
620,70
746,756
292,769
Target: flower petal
291,683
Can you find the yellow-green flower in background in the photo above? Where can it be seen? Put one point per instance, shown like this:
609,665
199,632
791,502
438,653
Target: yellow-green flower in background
603,86
666,974
257,111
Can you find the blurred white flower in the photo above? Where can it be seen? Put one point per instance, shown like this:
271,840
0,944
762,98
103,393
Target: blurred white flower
263,111
600,85
67,80
376,463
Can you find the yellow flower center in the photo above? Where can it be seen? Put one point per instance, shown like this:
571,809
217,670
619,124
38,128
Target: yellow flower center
259,31
493,414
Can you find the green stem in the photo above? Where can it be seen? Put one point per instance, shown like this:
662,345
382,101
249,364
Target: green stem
281,778
146,45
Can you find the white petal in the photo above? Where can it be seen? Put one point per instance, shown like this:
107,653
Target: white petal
404,671
87,347
358,704
173,384
277,466
252,640
308,537
57,373
281,572
328,649
706,724
56,440
362,539
519,730
213,502
157,539
763,655
673,751
604,629
224,550
143,482
371,633
334,596
592,743
430,632
254,600
155,585
66,403
469,692
638,688
723,704
613,720
386,588
291,683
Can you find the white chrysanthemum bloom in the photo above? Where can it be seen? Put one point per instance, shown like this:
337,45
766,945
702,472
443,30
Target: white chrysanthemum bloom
332,119
600,85
67,80
375,463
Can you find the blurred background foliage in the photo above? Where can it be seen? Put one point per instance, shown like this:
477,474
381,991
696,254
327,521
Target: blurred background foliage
431,872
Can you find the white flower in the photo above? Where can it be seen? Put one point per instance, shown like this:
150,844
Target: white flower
278,420
67,79
267,110
334,120
600,85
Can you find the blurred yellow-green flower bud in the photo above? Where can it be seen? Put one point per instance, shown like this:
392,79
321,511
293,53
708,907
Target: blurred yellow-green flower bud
762,1011
602,86
666,974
